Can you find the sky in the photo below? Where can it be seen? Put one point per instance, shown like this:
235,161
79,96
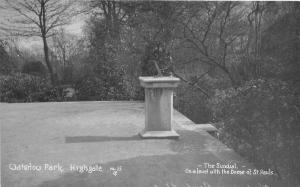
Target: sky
75,27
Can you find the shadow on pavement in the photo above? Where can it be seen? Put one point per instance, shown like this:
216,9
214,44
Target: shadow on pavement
82,139
190,151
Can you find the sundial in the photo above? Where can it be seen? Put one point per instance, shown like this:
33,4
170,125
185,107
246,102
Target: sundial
158,105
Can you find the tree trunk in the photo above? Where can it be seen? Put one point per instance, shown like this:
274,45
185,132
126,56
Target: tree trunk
46,54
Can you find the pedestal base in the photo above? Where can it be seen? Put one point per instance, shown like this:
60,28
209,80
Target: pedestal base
159,134
159,106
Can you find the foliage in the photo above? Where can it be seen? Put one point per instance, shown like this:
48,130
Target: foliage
260,120
21,87
192,103
154,24
105,83
34,68
90,88
93,88
106,74
280,49
6,65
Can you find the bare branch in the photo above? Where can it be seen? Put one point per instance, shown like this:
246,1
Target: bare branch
39,18
191,84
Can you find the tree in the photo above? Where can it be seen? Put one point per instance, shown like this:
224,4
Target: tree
40,18
112,13
70,51
210,29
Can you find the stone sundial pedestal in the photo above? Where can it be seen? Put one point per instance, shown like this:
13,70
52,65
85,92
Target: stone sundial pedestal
159,106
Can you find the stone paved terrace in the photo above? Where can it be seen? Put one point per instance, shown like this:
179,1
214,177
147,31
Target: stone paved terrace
104,134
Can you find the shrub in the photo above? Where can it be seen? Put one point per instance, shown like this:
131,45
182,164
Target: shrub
90,88
95,88
6,64
192,103
22,87
34,68
260,120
